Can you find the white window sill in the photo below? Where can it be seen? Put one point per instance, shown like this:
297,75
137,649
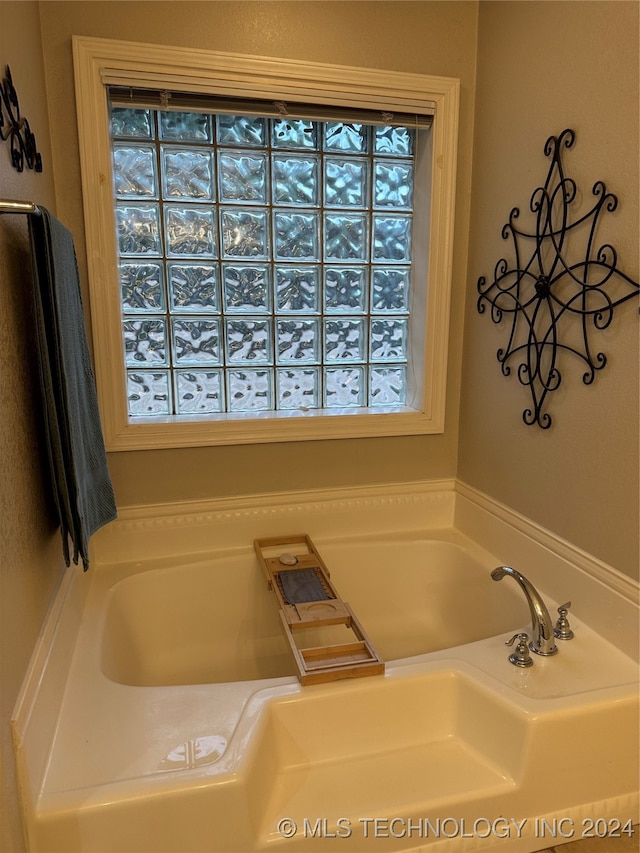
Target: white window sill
257,428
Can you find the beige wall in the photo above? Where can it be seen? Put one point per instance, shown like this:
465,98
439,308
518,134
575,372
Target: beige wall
30,552
542,67
437,38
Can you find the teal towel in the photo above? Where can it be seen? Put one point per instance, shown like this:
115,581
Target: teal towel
82,487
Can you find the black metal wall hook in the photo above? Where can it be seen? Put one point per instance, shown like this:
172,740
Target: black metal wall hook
16,129
546,284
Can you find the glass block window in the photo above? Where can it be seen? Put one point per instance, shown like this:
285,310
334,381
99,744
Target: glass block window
264,263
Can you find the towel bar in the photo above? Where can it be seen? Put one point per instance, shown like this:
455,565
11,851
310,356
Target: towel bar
7,206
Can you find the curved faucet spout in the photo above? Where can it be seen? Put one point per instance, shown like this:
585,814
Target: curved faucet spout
542,642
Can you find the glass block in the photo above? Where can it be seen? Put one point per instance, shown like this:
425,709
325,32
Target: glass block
345,182
393,141
196,341
190,231
241,130
389,339
250,390
297,289
393,184
245,234
145,342
390,289
243,177
345,290
293,133
138,229
134,172
194,127
296,235
344,339
345,236
148,393
388,386
392,238
248,341
344,136
295,180
126,122
344,386
298,388
187,174
298,340
193,287
270,260
141,287
246,288
199,392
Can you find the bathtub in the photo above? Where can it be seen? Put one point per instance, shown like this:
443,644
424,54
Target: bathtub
181,725
215,620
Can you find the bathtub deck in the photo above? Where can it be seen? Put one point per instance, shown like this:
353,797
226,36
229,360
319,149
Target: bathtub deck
456,732
438,741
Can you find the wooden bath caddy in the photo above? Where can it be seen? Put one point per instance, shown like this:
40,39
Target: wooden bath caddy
307,599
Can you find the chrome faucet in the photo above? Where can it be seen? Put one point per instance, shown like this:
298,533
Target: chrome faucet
542,642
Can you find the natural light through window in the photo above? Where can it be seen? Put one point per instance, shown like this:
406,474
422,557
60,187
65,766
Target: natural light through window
264,264
269,245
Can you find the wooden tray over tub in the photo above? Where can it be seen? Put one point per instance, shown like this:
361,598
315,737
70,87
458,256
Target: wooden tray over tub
307,599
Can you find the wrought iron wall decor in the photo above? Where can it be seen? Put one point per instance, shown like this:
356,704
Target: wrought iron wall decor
16,128
543,288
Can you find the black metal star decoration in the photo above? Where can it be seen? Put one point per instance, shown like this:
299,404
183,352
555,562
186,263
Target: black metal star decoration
544,291
16,128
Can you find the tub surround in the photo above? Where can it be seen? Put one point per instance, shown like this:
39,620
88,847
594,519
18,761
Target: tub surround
109,761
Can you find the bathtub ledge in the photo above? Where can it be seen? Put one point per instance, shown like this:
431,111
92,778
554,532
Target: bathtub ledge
90,749
290,741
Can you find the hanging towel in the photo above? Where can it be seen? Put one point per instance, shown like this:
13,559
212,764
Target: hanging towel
82,487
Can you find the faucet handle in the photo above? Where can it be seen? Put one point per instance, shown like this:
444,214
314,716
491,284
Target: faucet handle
521,656
562,630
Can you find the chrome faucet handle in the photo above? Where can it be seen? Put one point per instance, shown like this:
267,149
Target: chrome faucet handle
521,656
563,631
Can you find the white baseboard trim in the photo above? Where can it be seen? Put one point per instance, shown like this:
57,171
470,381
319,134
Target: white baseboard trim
188,527
145,530
628,587
601,596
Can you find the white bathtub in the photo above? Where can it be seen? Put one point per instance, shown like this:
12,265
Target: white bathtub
182,727
215,620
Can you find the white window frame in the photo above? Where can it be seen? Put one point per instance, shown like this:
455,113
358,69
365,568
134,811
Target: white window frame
100,63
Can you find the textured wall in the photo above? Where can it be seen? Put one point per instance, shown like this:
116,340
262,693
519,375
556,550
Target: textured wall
543,67
30,552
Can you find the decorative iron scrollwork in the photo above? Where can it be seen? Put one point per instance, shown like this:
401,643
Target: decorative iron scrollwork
543,288
16,129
